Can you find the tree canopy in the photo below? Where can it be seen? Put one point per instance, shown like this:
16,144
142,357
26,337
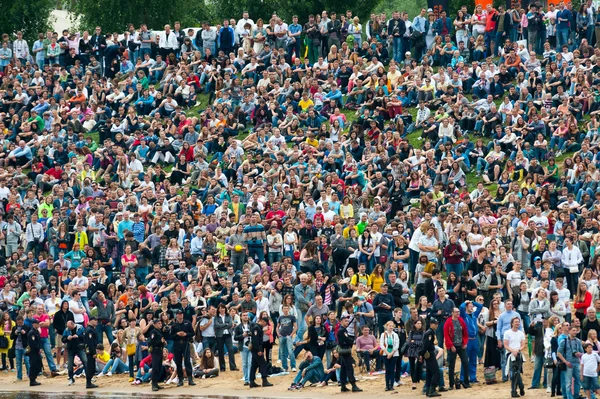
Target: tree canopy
31,17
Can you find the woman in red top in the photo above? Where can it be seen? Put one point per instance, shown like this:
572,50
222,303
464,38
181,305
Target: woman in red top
582,300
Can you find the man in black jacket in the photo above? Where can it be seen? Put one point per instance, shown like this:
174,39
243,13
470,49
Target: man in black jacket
346,360
397,28
35,353
91,341
73,337
159,253
181,334
156,343
258,354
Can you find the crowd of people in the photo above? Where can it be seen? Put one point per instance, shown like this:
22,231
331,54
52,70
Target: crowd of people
176,203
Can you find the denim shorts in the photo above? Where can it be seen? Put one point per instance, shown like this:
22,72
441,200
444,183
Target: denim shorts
590,383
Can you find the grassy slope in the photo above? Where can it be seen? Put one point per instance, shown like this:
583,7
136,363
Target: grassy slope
472,179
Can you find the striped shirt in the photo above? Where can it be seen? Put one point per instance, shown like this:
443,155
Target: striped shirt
254,235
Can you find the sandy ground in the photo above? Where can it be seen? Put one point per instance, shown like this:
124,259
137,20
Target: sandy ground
228,384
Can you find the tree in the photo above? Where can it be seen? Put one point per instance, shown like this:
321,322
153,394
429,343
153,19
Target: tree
30,17
115,15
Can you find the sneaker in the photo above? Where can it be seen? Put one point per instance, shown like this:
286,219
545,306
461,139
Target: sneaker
109,374
71,382
17,380
100,375
294,369
130,379
404,375
548,390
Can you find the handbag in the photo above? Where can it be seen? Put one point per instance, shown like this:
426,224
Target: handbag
130,349
549,363
3,342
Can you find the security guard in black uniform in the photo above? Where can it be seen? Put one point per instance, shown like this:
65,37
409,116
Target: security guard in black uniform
346,342
91,342
156,343
34,347
428,357
258,354
181,335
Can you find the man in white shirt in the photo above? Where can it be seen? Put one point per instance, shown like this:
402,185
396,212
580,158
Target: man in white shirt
76,306
239,28
167,42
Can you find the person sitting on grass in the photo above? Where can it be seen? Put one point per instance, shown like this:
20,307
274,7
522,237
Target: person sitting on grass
310,370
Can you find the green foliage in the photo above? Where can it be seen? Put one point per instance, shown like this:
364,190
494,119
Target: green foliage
413,8
286,8
31,17
115,15
455,5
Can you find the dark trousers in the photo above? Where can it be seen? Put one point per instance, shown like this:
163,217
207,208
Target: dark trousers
464,360
226,342
81,355
156,366
347,369
181,354
258,363
35,366
390,371
432,377
90,369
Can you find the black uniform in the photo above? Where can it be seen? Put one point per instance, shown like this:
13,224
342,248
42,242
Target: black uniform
346,361
34,346
91,342
431,364
258,361
181,348
157,345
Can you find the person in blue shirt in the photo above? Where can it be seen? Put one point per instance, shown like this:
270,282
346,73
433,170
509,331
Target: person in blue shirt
563,18
470,311
294,32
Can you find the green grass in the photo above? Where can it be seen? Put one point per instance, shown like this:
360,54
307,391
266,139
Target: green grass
412,138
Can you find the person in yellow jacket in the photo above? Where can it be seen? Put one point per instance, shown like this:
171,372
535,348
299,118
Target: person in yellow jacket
7,326
81,237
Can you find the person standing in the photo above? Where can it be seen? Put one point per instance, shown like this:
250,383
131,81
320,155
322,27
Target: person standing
156,343
389,342
287,324
456,337
181,334
258,354
428,354
469,311
442,310
73,337
19,337
569,352
383,305
345,342
242,337
91,342
514,343
44,320
35,353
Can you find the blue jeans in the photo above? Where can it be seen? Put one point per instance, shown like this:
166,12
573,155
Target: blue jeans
472,352
567,382
562,38
397,44
104,328
47,347
20,356
209,342
147,375
537,371
246,363
258,251
286,349
301,327
454,267
116,366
